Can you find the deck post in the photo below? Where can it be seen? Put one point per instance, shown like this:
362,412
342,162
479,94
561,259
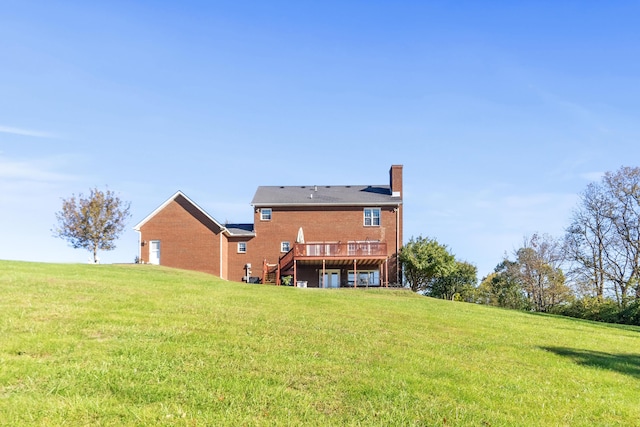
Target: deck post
278,278
355,274
295,272
265,269
323,273
386,272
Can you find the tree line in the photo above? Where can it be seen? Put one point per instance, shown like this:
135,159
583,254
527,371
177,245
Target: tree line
591,272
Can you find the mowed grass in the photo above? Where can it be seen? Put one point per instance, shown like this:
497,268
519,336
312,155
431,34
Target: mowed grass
141,345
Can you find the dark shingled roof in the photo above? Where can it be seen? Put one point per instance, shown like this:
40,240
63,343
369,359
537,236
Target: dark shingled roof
240,229
310,195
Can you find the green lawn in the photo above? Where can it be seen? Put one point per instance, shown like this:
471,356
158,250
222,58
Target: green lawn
142,345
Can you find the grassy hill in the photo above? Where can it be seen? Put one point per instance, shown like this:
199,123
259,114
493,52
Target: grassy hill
142,345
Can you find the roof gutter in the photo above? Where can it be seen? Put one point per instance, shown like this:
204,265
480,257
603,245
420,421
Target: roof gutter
269,205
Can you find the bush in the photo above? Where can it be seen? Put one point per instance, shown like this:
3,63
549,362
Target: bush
607,311
286,280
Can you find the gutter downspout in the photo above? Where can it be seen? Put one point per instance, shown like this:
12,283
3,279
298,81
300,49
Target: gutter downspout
397,245
221,255
139,246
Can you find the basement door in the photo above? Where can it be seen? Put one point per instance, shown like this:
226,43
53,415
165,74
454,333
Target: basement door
331,279
154,252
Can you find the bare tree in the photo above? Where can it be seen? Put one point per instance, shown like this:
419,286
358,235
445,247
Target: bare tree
603,241
533,280
538,270
93,222
586,240
624,254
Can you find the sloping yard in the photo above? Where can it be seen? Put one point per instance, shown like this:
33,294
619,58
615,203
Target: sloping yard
143,345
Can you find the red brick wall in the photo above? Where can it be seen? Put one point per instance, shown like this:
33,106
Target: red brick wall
395,182
237,261
191,240
225,258
395,179
188,239
331,224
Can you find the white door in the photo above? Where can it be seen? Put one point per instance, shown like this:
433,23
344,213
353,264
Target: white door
154,252
331,279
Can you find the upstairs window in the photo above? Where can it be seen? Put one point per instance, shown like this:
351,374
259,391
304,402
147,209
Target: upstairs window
372,217
285,246
242,247
265,214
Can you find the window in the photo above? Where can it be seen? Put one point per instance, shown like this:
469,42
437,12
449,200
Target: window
265,214
242,247
284,246
372,217
365,278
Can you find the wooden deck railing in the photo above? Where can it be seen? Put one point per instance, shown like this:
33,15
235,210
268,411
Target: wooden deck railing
333,250
287,259
349,249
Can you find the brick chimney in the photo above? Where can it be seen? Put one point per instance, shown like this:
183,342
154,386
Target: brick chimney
395,180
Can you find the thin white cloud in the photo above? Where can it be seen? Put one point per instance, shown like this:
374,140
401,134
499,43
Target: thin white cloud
27,182
26,132
31,170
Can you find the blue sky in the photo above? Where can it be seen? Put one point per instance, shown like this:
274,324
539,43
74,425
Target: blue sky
500,112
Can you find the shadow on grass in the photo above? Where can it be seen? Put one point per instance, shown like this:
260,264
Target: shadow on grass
628,364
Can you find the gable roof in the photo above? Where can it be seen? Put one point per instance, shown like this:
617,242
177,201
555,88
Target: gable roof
325,195
178,194
229,229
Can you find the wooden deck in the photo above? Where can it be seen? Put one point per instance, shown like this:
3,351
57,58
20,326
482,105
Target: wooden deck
334,251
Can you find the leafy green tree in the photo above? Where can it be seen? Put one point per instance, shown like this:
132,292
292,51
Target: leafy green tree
459,284
424,261
503,288
93,222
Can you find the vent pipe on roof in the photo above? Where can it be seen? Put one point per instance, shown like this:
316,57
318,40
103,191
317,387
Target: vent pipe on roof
315,188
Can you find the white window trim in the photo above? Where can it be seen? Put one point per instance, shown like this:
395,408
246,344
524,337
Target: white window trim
245,247
364,217
262,212
282,249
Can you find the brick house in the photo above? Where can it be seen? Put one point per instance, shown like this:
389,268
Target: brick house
320,236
